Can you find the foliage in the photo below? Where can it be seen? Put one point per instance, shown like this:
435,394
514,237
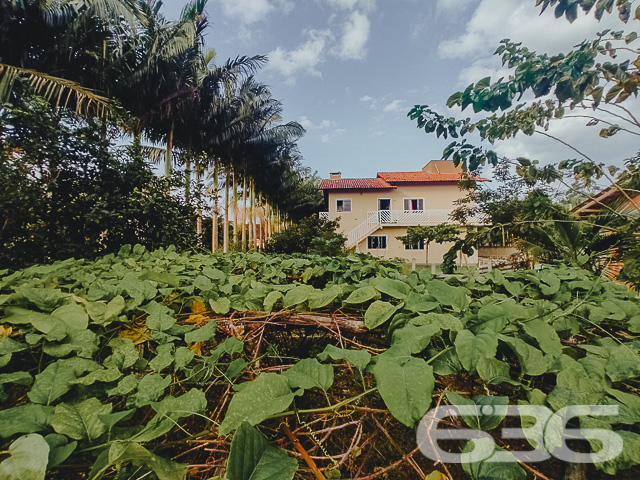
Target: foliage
64,191
444,232
311,235
107,358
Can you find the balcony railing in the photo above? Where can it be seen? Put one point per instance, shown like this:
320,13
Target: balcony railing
323,215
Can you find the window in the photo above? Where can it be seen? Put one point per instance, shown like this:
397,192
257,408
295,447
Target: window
414,204
415,246
343,205
377,242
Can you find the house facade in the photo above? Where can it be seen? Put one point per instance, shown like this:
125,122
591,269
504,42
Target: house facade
372,212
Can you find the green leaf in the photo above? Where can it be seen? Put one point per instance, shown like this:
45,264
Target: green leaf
121,452
471,348
160,317
493,371
80,421
28,460
489,410
19,378
221,306
29,418
491,470
274,394
104,375
150,388
532,361
124,353
127,385
59,449
84,342
56,380
73,316
230,346
46,299
444,321
378,313
102,313
362,295
416,339
394,288
252,458
271,299
622,364
310,373
8,345
203,334
163,358
629,457
297,295
183,357
358,358
545,335
322,298
405,387
445,294
203,283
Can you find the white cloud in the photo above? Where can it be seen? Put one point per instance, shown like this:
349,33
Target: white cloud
304,59
366,98
394,106
355,35
494,20
308,124
332,136
353,4
247,11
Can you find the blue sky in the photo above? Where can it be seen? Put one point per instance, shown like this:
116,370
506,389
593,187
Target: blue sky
350,70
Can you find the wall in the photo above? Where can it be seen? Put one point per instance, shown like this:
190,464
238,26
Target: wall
437,196
395,248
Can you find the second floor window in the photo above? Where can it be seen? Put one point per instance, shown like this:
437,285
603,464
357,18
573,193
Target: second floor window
414,204
376,242
343,205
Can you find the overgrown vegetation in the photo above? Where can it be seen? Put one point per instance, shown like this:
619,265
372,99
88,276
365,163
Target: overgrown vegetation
149,361
311,235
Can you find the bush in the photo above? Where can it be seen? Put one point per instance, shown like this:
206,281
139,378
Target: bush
311,235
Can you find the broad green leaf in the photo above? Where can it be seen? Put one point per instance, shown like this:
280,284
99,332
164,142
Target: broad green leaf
8,345
127,385
221,306
493,371
622,364
362,295
545,335
80,421
19,378
105,375
230,346
203,334
84,342
59,449
551,283
122,452
322,298
489,410
124,353
111,419
445,294
46,299
310,373
73,316
183,357
271,299
490,470
274,394
358,358
104,313
28,460
378,313
297,295
203,283
471,348
393,288
29,418
57,379
629,457
163,358
252,458
418,302
445,321
416,339
150,388
405,387
160,317
532,361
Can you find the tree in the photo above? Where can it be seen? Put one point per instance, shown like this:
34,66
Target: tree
442,233
574,84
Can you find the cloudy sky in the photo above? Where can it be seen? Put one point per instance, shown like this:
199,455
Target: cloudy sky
350,70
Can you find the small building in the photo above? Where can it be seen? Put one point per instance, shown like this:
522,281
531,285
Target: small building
372,212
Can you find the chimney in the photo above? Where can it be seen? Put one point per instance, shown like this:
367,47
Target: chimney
335,176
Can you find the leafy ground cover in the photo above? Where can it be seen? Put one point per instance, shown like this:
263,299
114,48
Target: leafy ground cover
162,364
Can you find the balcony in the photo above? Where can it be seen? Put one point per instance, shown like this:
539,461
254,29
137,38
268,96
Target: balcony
323,215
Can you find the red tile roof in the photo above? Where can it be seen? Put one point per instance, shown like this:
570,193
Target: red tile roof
356,184
421,177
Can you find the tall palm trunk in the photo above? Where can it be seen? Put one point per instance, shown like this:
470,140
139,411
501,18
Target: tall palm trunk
235,209
198,168
252,225
225,240
214,218
168,160
187,183
244,213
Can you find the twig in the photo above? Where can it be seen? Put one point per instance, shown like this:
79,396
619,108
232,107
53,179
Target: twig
303,452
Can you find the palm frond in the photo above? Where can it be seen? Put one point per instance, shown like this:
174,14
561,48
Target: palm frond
59,91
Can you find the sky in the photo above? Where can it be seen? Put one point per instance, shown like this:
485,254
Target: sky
350,70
